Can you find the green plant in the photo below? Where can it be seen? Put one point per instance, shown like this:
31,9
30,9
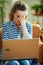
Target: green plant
41,0
2,2
38,7
41,7
2,5
35,7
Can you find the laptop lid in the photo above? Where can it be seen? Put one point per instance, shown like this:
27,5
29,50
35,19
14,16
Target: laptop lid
20,49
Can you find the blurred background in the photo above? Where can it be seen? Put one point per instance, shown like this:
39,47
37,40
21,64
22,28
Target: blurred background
35,15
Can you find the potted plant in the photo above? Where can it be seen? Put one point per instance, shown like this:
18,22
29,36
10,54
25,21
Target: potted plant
35,7
38,8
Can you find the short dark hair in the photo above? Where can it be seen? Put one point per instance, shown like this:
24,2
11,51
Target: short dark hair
17,6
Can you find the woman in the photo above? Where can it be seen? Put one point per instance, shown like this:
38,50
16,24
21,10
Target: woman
18,28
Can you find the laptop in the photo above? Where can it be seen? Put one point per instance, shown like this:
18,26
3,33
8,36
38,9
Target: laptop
20,49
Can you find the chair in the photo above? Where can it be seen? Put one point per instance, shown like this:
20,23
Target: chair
36,30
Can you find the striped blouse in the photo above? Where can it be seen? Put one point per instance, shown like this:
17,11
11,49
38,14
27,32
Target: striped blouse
9,30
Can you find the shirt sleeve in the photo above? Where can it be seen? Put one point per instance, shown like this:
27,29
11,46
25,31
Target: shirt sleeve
4,33
29,28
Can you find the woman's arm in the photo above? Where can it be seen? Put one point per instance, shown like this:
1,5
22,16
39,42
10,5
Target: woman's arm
27,30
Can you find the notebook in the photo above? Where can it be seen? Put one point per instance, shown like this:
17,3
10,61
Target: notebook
20,49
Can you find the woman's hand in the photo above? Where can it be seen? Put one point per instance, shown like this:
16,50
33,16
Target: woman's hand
25,31
23,23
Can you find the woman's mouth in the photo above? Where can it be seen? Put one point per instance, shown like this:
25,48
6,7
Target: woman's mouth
18,23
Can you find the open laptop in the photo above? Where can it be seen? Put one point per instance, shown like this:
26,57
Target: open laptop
20,49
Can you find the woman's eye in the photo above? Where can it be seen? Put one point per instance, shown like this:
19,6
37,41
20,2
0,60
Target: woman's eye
18,16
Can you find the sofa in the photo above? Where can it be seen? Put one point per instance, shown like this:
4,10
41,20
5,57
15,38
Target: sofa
38,33
36,30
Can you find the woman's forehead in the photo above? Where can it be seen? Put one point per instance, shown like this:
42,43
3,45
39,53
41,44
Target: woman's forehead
19,12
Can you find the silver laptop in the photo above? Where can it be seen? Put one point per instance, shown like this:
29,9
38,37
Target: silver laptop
20,49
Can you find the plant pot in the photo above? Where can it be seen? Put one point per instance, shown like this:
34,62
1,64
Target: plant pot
36,11
39,12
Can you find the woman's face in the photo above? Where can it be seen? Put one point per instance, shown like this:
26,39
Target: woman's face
19,16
